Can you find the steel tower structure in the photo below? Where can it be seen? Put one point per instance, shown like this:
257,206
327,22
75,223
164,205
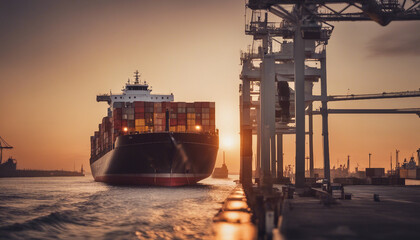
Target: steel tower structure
303,21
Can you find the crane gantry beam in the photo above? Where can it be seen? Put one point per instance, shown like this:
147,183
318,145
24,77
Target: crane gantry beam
345,10
384,95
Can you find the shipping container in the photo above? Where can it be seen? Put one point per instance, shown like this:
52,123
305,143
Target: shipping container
158,105
142,117
191,116
139,110
139,116
140,122
139,104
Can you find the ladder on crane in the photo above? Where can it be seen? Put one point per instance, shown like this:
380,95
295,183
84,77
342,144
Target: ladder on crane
3,145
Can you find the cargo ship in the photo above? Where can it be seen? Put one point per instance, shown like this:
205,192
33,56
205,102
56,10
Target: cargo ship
9,169
148,139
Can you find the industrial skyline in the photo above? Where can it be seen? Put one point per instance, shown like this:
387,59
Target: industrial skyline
57,56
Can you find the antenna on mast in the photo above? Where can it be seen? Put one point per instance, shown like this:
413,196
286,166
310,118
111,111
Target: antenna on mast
136,77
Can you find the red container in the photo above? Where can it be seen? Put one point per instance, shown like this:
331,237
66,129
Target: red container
139,110
212,111
197,104
205,104
139,104
198,121
148,109
116,121
182,116
174,122
174,105
190,105
182,121
166,104
198,110
138,115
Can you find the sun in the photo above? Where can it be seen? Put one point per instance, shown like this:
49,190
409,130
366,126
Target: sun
227,142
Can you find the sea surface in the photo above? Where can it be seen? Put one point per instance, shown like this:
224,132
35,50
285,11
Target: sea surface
80,208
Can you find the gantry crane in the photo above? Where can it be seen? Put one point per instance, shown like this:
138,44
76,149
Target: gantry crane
3,145
306,20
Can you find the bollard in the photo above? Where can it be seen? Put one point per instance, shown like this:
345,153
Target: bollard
269,223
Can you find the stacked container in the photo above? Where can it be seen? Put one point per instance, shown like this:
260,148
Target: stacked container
101,141
143,117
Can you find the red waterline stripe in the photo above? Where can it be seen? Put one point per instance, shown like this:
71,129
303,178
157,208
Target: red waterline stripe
157,181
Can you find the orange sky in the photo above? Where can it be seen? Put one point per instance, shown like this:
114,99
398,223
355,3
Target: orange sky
58,55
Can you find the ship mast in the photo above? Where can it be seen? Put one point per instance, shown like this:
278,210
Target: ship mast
136,77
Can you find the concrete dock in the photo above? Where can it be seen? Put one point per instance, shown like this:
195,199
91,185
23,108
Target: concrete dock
395,216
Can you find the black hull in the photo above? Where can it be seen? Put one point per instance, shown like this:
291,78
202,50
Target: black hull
167,159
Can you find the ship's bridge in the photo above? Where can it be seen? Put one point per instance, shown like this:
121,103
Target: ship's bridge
137,91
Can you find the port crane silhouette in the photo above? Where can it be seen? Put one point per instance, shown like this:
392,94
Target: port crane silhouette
380,11
310,20
3,145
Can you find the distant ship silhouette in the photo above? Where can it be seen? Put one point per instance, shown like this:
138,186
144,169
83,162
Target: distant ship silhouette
221,172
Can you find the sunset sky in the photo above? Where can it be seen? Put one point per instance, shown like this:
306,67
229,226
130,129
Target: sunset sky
56,56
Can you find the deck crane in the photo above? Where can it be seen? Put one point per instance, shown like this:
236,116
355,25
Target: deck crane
3,145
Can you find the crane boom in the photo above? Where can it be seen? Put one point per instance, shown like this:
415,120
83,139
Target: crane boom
3,145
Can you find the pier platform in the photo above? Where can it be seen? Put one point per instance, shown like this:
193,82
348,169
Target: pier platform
395,216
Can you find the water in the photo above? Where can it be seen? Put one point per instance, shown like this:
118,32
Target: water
79,208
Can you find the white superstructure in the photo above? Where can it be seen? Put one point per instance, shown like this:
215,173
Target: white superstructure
139,91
